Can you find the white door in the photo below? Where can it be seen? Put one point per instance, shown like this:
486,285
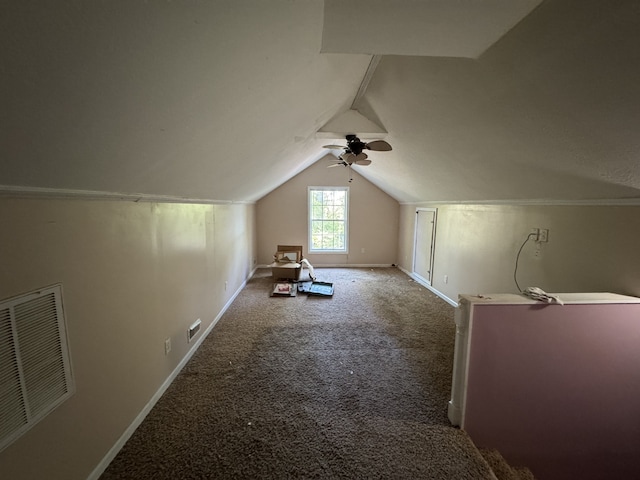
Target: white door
424,243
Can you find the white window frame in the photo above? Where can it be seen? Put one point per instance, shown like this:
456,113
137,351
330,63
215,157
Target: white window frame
346,220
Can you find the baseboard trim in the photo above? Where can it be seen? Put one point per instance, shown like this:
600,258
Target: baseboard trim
429,287
345,265
111,454
354,265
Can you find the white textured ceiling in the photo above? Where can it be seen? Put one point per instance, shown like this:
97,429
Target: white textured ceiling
439,28
222,101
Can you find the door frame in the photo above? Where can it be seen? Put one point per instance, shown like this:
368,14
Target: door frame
429,280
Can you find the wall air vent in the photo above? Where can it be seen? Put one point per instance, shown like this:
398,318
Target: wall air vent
193,329
35,366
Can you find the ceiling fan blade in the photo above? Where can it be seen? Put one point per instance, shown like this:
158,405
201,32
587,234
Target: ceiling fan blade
348,157
378,146
364,161
334,147
334,165
360,157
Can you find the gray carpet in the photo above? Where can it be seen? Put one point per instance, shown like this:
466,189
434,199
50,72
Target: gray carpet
353,386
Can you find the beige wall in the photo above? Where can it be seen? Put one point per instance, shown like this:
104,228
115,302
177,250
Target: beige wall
373,218
590,248
133,274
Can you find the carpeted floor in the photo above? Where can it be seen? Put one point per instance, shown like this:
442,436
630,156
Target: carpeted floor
353,386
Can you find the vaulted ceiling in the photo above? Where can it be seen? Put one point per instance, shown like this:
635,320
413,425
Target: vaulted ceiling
482,100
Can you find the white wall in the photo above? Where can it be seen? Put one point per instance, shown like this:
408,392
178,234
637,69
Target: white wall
373,218
590,248
133,274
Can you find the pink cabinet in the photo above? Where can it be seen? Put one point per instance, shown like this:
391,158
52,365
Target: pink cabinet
553,387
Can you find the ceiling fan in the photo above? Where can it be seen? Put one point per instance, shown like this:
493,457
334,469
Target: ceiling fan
353,152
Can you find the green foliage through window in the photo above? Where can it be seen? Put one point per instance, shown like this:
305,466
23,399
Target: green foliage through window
328,219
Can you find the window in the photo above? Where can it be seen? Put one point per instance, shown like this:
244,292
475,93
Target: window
328,225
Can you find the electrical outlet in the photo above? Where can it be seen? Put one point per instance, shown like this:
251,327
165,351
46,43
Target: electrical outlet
544,235
167,346
535,234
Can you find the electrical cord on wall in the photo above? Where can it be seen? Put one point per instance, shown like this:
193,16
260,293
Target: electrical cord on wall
515,271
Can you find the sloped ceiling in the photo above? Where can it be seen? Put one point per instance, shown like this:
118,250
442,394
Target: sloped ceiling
197,100
549,112
438,28
222,101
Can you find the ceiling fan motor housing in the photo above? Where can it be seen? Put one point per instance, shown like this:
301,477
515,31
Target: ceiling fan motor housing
354,145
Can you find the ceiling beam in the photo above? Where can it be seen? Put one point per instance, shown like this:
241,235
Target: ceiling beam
373,64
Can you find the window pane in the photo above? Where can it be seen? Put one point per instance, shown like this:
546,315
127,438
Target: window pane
327,227
329,212
328,196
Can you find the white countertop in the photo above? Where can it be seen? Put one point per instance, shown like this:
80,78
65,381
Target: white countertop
567,298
